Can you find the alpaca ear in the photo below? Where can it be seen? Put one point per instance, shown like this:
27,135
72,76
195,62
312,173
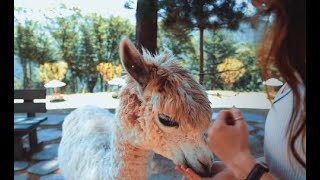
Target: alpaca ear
134,63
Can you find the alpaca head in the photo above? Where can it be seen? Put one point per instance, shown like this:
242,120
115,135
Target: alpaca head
163,109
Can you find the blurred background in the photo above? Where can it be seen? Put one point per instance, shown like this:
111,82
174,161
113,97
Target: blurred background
71,48
77,41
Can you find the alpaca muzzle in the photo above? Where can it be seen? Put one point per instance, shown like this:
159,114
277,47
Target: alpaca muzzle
205,170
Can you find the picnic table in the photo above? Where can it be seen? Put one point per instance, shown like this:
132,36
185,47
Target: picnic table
27,125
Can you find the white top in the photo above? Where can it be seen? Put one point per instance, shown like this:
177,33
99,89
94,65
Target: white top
276,142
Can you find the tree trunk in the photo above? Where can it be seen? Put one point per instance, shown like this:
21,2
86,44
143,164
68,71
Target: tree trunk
75,87
25,74
101,83
146,27
91,84
212,82
201,73
90,87
30,74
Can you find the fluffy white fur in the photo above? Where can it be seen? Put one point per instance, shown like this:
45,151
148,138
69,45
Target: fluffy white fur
90,148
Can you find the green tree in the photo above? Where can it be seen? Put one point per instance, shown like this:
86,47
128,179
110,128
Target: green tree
109,71
17,83
116,29
88,55
33,45
230,70
182,44
51,71
218,46
25,46
64,29
201,15
251,80
99,38
105,37
46,51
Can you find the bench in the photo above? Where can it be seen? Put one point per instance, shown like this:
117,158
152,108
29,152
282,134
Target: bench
27,125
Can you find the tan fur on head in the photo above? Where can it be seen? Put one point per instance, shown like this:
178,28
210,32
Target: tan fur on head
159,85
170,87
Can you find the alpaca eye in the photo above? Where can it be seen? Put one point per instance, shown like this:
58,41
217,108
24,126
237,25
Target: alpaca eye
167,121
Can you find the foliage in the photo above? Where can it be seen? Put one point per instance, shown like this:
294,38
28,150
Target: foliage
116,29
201,15
25,46
251,80
17,83
82,41
89,45
230,70
109,71
218,46
182,45
64,30
51,71
45,50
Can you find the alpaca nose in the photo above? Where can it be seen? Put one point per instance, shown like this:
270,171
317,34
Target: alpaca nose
207,169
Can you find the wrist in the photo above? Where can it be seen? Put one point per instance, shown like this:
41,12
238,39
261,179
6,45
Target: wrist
242,164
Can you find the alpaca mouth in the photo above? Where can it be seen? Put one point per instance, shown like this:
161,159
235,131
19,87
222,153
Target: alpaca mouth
205,169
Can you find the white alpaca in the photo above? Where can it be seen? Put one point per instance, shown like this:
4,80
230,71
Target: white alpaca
162,109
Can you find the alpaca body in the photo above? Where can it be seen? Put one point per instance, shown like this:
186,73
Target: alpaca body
162,109
95,150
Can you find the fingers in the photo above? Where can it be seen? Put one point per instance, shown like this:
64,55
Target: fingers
193,174
223,114
220,120
179,169
238,116
232,118
183,171
187,172
228,117
236,113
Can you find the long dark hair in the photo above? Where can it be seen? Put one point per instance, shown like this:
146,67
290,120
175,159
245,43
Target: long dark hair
284,46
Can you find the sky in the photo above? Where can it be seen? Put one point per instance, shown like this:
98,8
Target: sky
103,7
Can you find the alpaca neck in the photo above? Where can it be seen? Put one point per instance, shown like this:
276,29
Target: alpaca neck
132,161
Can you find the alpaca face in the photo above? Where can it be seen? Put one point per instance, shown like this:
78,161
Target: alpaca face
164,110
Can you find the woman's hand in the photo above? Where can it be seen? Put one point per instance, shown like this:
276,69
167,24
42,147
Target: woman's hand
220,174
187,173
228,139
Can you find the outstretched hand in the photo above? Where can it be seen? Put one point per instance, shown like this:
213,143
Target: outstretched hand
228,139
219,174
188,173
228,135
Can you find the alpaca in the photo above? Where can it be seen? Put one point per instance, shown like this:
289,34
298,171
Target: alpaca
162,110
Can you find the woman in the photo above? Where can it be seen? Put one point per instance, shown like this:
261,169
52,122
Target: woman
285,132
